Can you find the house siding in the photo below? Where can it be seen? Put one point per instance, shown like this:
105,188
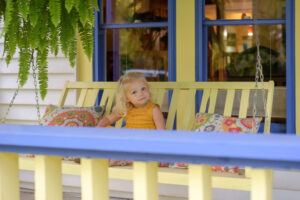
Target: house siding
23,110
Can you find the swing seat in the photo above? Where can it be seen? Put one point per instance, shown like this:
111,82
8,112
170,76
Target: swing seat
179,100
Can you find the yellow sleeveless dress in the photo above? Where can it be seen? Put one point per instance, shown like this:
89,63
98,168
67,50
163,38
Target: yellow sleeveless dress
141,118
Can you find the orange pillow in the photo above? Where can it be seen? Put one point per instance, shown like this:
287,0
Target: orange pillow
72,116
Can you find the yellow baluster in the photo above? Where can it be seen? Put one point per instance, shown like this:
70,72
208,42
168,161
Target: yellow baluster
94,179
261,184
145,184
200,184
9,177
48,180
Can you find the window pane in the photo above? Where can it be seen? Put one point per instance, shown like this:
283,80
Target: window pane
141,49
244,9
134,11
232,53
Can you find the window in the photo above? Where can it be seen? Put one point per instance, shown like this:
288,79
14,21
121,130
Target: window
228,34
134,36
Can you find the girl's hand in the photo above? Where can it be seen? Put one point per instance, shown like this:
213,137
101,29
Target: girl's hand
108,120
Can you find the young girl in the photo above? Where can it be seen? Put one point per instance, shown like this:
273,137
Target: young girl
133,101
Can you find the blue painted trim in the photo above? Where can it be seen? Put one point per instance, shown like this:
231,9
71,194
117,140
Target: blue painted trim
96,48
172,40
200,67
99,47
135,25
225,22
290,67
254,150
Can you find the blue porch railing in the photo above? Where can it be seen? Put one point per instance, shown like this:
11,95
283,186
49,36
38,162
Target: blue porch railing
143,146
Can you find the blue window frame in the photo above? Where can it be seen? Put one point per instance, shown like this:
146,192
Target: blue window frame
202,38
101,28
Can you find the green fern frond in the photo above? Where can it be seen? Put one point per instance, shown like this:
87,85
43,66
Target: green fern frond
53,38
83,10
86,35
55,11
24,65
36,10
73,52
42,67
94,4
12,37
69,4
67,33
8,14
2,10
76,4
23,7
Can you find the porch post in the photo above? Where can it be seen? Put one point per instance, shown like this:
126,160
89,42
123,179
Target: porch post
9,176
185,46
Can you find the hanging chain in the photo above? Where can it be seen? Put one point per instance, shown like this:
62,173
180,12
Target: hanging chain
259,76
11,103
37,105
3,120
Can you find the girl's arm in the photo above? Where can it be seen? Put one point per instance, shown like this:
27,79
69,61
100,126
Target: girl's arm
158,118
108,120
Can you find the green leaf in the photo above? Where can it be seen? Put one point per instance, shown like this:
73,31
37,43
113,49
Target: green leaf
2,10
86,35
24,65
8,14
24,7
83,10
53,38
95,5
73,52
55,11
42,67
69,4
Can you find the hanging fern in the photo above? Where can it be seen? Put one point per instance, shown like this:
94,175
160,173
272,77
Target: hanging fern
38,27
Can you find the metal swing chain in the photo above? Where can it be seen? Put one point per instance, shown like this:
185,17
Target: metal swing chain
259,76
37,105
3,120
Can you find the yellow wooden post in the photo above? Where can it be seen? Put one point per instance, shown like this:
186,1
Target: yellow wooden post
261,184
145,184
84,65
200,185
48,180
185,43
297,64
9,177
94,179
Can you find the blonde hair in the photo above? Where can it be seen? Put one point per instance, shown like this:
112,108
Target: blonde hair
121,104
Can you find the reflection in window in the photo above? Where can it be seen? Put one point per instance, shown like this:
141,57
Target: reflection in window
140,50
234,9
233,53
134,11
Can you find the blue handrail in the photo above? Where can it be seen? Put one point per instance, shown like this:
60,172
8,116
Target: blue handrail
254,150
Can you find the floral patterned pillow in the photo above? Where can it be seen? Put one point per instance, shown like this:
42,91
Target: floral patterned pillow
72,116
205,122
218,123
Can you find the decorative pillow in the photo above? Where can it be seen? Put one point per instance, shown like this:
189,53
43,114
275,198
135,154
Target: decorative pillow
72,116
218,123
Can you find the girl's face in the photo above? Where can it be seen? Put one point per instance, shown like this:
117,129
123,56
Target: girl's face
138,93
